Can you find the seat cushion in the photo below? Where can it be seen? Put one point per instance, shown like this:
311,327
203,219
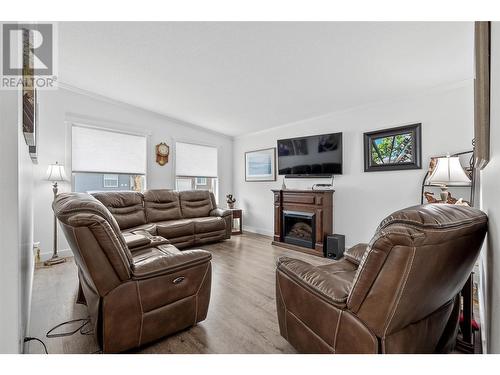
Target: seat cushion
175,228
195,203
125,206
331,282
208,224
161,205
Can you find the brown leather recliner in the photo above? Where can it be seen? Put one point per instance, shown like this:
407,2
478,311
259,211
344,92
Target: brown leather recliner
133,297
397,294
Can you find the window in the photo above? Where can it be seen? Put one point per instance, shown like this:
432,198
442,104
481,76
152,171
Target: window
201,181
104,160
196,167
110,180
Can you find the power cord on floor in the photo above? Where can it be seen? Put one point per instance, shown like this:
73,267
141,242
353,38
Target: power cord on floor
84,328
26,339
80,329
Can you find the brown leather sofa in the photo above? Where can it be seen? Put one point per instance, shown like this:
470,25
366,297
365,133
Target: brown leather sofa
141,288
185,218
397,294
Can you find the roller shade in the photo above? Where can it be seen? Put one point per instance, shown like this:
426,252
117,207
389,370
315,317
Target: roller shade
195,160
97,150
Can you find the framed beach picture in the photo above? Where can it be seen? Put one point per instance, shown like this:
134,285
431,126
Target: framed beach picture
260,165
393,149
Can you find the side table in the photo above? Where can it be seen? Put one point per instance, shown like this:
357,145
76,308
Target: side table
237,214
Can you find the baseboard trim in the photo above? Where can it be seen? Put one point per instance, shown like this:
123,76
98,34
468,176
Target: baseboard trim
61,253
258,230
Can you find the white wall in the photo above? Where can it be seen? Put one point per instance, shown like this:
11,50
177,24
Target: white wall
16,226
362,199
490,203
59,108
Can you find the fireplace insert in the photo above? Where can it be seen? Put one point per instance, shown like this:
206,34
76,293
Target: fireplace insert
299,228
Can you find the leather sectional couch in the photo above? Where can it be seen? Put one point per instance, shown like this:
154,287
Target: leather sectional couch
397,294
185,218
137,284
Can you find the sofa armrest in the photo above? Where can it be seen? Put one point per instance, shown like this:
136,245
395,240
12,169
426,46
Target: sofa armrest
220,212
164,260
355,253
142,239
325,285
136,240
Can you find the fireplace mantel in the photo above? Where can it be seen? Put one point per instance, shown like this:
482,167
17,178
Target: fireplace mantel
317,202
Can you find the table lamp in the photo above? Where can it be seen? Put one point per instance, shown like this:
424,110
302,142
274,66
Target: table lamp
55,173
448,172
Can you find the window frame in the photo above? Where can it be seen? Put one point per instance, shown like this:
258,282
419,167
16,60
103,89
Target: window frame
92,123
174,164
104,179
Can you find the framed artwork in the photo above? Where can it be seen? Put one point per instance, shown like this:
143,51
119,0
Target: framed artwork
482,48
260,165
30,115
393,149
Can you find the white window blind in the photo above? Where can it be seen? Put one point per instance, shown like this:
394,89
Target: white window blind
97,150
195,160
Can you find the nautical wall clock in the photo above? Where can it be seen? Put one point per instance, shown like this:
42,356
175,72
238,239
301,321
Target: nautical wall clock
162,152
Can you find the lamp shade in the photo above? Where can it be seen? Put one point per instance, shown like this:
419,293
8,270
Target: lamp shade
449,172
55,172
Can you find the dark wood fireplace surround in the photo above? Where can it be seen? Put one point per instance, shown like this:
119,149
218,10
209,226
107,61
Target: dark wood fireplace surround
317,202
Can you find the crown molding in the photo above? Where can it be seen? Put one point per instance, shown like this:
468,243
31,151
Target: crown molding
120,103
420,93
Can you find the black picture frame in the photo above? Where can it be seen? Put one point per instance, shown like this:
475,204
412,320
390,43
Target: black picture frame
414,144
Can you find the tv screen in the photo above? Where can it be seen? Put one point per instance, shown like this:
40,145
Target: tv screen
313,156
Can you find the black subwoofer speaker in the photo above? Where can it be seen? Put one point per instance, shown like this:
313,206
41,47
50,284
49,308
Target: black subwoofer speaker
335,246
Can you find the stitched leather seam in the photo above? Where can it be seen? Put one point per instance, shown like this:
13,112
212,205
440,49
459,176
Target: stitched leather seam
113,236
284,306
312,332
198,292
91,211
337,331
359,271
370,249
434,226
400,291
142,312
444,229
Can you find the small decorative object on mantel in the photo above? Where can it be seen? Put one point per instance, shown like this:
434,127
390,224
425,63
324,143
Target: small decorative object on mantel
230,201
283,185
393,149
162,152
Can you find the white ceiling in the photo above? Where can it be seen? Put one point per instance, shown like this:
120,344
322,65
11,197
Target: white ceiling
237,78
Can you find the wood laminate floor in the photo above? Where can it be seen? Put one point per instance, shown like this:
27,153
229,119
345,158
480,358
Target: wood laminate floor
241,317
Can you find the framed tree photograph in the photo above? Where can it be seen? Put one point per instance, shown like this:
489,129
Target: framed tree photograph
260,165
393,149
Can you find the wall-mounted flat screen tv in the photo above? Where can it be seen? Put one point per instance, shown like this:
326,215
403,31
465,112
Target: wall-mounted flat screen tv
312,156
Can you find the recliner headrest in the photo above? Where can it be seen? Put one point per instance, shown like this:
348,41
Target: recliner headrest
437,216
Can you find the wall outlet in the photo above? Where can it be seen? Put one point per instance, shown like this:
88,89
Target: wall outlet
36,251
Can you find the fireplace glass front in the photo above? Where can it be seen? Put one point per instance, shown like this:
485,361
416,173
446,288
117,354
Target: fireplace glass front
299,228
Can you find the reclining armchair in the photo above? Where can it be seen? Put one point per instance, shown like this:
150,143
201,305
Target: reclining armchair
397,294
133,297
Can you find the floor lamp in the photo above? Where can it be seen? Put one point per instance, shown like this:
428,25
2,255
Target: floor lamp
55,173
